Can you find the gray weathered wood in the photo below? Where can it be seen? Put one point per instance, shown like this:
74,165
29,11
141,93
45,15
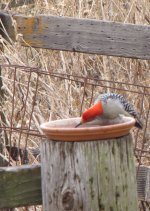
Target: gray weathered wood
143,185
83,35
20,186
96,175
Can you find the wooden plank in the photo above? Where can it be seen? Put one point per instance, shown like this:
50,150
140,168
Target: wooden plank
93,175
11,177
20,186
85,35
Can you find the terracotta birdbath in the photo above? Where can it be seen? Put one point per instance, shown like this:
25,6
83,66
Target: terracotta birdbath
64,130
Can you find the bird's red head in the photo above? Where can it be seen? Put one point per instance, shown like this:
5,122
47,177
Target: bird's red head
92,112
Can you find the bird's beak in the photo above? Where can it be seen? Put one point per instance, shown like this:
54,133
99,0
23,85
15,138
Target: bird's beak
91,113
80,123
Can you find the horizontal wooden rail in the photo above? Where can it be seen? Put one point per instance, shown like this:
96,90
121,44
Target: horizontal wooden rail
21,186
80,35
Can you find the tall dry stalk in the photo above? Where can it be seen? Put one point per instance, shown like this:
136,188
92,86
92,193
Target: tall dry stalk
61,98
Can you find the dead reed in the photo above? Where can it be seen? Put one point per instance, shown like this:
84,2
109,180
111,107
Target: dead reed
57,98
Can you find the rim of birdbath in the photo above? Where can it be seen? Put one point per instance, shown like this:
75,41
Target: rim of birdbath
64,130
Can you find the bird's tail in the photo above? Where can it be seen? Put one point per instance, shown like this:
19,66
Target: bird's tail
139,124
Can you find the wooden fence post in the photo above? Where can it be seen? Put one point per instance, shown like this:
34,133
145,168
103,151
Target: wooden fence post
93,175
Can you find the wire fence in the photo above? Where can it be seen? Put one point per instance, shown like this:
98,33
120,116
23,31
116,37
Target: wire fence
30,96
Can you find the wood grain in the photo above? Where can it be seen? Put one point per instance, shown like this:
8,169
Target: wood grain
96,175
83,35
20,186
33,176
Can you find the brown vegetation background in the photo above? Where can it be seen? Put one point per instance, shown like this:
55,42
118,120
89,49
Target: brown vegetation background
57,98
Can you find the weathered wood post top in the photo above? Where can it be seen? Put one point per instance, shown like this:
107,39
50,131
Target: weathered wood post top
95,173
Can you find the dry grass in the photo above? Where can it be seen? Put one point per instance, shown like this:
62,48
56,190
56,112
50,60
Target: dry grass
60,98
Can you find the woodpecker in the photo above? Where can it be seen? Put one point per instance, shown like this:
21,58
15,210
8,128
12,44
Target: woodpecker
109,106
